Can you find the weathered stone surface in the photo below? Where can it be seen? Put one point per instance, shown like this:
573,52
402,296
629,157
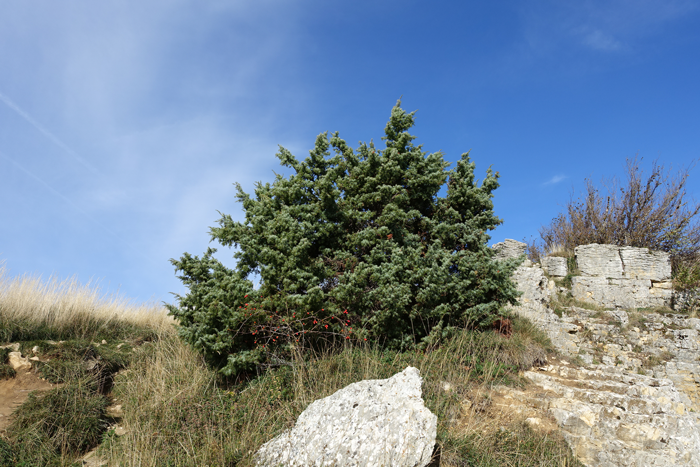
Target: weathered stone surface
635,401
369,423
640,263
509,248
555,266
17,362
621,293
611,418
14,347
599,260
622,277
614,262
533,304
533,285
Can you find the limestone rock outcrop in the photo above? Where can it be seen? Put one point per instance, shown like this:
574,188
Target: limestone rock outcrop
368,423
622,277
554,266
536,293
616,262
612,418
630,394
509,248
18,362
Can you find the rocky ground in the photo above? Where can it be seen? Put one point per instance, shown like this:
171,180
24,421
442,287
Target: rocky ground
627,392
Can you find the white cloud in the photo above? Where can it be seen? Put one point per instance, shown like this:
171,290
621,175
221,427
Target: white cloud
555,179
604,26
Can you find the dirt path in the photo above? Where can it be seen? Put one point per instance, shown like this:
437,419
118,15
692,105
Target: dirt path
14,391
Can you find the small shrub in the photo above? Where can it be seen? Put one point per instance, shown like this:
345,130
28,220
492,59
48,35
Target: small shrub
534,250
687,275
567,280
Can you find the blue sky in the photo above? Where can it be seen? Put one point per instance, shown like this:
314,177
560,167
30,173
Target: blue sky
124,124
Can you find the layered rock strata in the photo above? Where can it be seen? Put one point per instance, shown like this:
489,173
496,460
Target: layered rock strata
622,277
631,396
610,417
509,248
554,266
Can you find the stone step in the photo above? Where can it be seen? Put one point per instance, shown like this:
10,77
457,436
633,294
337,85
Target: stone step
611,418
636,399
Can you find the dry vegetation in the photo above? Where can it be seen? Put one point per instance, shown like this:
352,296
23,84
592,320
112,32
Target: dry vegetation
648,211
32,309
179,412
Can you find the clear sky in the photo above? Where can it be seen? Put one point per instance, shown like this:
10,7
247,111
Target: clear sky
124,124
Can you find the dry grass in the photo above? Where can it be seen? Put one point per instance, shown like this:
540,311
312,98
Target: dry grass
31,308
176,413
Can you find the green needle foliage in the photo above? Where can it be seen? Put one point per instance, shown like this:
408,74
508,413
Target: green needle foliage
355,245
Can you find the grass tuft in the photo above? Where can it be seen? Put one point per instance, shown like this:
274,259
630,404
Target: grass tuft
6,371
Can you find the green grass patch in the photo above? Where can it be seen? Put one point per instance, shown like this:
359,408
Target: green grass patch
512,444
657,359
77,359
52,428
55,425
25,330
565,300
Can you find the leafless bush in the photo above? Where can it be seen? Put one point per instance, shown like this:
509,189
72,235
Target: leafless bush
651,212
534,249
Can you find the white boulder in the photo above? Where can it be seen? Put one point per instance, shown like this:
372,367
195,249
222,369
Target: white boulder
379,422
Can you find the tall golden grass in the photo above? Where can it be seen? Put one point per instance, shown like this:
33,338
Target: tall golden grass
65,308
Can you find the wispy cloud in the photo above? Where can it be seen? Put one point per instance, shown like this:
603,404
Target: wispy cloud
54,139
609,26
554,180
600,40
69,202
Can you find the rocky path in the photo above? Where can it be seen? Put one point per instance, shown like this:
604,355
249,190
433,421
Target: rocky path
14,391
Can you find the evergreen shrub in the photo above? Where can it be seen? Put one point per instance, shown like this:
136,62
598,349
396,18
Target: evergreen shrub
355,245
